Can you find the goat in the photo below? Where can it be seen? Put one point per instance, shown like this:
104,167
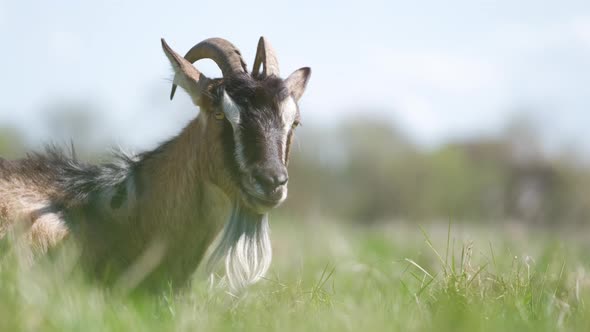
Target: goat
160,211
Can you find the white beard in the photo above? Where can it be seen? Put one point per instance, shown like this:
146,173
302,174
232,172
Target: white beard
245,244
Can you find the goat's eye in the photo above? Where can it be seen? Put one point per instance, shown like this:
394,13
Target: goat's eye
219,115
296,124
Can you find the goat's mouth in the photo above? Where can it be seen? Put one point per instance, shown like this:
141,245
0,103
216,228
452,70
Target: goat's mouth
260,204
259,200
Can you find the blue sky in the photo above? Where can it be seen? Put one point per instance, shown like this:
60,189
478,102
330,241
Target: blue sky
437,69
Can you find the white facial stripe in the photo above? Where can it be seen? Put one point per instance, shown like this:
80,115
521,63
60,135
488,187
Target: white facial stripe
231,110
288,113
232,113
240,155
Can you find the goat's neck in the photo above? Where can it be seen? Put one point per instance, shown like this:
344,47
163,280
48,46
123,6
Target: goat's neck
177,181
174,167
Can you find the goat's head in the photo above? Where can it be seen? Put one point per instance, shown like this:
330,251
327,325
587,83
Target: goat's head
256,114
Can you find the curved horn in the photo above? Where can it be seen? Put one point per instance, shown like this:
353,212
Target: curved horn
265,54
227,57
225,54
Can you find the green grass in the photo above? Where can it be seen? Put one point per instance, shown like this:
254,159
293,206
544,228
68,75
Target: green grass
328,277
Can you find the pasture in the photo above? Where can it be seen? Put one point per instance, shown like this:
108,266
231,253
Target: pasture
416,111
334,277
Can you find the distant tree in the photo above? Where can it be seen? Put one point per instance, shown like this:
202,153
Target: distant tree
11,143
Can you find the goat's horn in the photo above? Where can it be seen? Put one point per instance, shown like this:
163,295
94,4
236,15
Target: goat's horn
225,54
265,54
227,57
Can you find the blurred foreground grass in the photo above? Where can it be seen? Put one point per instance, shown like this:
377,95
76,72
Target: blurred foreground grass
328,277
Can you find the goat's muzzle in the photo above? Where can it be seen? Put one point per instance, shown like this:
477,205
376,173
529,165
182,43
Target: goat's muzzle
265,187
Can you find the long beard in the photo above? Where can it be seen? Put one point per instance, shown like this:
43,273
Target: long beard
245,245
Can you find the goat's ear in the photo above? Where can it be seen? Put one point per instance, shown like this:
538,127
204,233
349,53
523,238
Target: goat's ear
297,82
185,75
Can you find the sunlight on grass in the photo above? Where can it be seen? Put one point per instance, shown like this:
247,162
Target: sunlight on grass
328,277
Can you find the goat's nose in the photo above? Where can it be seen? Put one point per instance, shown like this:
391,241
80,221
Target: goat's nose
271,178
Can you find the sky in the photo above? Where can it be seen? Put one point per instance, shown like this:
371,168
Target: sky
436,69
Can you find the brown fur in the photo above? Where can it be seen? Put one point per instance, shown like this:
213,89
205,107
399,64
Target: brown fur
185,199
152,217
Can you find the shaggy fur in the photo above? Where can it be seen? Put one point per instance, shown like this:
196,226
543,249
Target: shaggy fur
150,218
169,197
245,245
101,206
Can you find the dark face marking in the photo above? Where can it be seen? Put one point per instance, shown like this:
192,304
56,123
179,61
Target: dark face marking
261,136
262,132
119,197
257,140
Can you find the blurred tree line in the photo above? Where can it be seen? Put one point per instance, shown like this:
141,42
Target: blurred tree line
368,171
12,144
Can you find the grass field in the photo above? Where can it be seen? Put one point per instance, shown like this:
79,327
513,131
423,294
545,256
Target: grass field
328,277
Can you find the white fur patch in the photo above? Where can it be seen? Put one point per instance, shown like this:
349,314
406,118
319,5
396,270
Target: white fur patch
231,110
245,245
288,110
232,113
240,154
